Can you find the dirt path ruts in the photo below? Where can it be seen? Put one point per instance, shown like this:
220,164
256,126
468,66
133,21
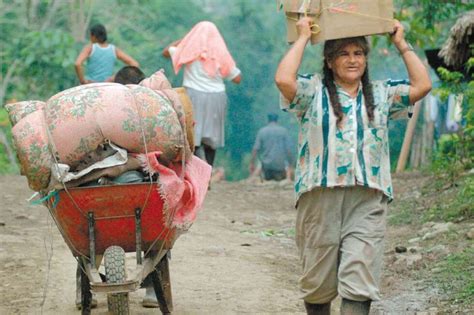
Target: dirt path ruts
239,257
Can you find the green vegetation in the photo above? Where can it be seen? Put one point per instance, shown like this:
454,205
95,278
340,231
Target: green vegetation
40,40
455,156
438,202
287,232
6,165
403,214
455,277
456,152
460,206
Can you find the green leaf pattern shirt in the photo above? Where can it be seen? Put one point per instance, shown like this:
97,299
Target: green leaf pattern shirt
356,154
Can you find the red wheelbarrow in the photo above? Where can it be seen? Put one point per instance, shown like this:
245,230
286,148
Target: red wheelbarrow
110,221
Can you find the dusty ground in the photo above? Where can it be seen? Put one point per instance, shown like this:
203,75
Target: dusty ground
239,257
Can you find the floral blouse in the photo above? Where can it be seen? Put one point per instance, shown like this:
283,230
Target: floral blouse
357,153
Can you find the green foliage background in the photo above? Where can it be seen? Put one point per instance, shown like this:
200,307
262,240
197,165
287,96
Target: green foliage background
40,40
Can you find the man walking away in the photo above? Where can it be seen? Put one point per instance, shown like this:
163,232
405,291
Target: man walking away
272,145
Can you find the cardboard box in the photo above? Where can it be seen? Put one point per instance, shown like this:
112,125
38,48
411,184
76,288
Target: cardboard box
339,18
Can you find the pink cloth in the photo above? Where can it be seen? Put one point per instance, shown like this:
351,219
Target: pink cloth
183,196
204,43
157,81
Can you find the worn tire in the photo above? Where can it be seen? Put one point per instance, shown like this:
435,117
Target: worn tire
115,272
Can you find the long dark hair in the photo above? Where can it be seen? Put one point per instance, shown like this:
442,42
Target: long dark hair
331,50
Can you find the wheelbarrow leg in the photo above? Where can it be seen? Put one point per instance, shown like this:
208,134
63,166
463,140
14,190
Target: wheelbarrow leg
86,298
86,295
166,280
162,285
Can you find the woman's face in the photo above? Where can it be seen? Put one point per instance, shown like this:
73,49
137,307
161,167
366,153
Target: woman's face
349,64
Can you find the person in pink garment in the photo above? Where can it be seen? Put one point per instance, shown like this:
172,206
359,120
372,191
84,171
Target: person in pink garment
207,63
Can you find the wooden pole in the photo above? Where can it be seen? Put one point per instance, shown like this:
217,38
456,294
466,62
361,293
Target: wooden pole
428,142
415,151
402,160
428,129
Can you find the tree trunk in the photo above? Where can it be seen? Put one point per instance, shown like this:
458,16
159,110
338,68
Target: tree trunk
6,81
402,160
50,14
79,19
415,151
10,153
428,133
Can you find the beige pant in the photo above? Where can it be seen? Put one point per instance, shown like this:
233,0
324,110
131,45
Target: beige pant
339,235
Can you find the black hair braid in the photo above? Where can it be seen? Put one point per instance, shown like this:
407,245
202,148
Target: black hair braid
328,82
368,94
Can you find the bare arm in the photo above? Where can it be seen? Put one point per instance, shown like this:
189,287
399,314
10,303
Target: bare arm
126,58
83,55
256,147
420,82
166,51
237,79
285,77
252,161
289,150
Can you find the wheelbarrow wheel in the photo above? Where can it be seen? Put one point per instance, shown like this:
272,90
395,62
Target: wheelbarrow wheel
115,272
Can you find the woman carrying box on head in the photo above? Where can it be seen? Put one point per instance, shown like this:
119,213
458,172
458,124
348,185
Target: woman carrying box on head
342,180
207,63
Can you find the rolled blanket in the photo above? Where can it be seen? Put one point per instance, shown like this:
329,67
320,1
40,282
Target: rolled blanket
178,97
16,111
76,121
32,148
133,117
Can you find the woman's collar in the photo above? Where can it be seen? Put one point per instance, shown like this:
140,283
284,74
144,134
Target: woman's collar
341,90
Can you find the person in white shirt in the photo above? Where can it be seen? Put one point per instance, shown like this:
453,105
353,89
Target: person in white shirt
207,64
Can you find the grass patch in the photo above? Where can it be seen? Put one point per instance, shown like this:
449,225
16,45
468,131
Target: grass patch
402,214
457,206
455,277
286,232
439,202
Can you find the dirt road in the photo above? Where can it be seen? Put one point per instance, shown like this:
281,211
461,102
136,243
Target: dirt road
239,257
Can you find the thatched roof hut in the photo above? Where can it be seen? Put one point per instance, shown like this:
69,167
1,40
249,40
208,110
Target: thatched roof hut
456,50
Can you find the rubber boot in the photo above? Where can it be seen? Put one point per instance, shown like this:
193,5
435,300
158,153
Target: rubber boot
150,300
79,292
349,307
318,309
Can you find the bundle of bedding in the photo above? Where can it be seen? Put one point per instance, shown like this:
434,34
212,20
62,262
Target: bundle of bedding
73,129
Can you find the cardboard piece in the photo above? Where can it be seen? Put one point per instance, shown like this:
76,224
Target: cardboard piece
336,19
